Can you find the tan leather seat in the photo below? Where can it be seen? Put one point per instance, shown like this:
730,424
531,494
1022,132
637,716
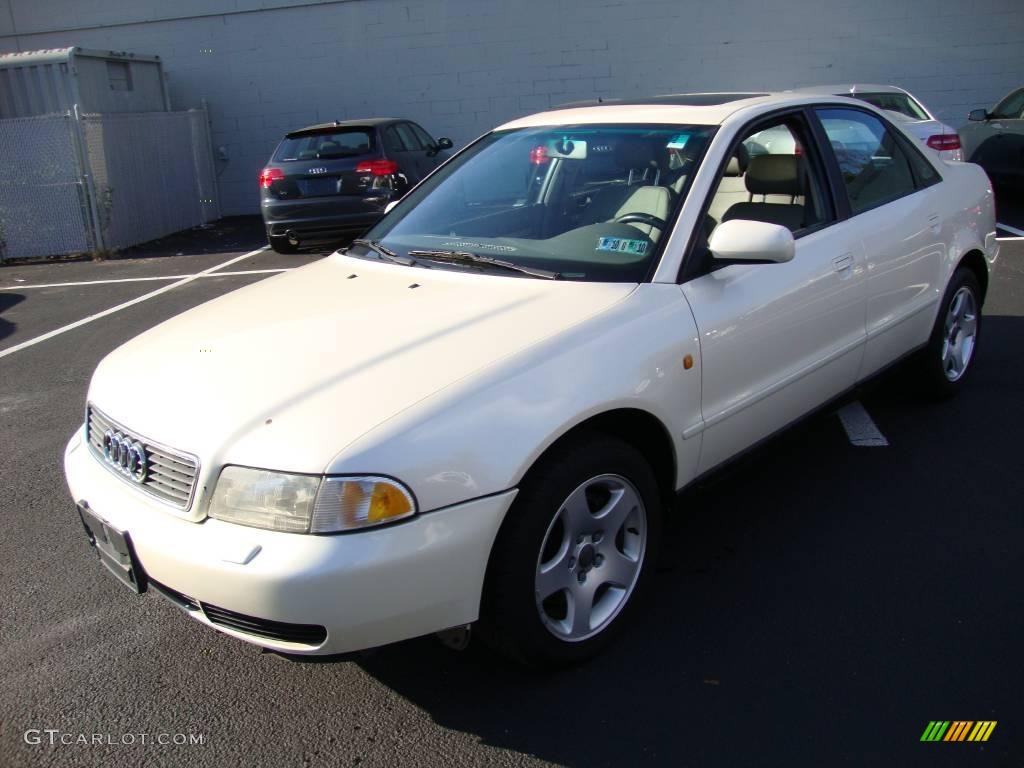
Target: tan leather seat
732,188
776,177
655,201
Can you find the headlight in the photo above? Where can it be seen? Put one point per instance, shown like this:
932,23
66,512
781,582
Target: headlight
307,504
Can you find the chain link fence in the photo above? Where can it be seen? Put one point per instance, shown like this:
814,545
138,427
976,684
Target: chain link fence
103,182
43,201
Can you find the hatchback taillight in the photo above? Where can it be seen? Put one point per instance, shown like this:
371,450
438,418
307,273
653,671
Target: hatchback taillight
269,175
944,141
377,167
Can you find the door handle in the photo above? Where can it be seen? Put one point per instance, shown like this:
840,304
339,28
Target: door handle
841,263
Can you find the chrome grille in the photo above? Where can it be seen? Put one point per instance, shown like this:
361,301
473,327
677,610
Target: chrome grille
170,474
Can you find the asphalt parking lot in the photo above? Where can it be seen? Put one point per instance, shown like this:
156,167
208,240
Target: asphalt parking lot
817,603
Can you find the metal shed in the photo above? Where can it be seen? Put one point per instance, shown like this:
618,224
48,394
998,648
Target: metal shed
54,80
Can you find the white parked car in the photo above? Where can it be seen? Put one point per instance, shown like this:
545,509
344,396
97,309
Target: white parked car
917,119
482,412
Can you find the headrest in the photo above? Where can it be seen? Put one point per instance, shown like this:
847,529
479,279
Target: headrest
774,175
738,162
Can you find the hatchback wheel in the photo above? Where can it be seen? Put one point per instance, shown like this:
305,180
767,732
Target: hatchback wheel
576,550
948,359
281,245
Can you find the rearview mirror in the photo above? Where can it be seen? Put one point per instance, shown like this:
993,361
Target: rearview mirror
444,143
740,240
977,115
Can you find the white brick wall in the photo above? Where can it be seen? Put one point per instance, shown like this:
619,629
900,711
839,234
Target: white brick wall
461,66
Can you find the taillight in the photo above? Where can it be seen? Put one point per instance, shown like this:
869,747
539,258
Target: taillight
377,167
269,175
539,155
944,141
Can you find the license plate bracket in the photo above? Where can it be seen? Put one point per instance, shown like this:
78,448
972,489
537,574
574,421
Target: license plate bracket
114,548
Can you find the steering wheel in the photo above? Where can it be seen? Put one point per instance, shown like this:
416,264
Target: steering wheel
641,218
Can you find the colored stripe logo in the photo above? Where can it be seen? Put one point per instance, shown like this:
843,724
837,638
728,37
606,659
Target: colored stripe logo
958,730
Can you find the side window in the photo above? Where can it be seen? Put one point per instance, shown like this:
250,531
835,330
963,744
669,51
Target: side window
1010,108
924,172
391,141
423,136
409,140
874,166
771,177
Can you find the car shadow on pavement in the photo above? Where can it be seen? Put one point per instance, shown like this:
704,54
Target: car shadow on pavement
8,300
805,598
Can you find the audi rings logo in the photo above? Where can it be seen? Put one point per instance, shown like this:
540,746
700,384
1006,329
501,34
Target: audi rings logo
124,454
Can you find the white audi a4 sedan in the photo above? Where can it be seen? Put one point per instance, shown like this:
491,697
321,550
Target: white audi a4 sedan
480,413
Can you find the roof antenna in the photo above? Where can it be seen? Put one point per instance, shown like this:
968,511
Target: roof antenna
600,100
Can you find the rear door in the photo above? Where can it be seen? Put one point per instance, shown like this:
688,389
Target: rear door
319,169
888,188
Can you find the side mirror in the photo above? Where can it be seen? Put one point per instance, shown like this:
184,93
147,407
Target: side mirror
389,206
740,240
977,115
444,143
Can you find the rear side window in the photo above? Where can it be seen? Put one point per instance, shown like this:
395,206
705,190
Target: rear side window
872,161
325,145
409,140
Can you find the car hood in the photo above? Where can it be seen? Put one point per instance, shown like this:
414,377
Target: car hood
285,373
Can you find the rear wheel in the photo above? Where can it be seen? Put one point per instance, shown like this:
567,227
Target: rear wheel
281,245
947,360
575,552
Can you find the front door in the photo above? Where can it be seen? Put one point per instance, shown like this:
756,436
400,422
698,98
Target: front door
776,340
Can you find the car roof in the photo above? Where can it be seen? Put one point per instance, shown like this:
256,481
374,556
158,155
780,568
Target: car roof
851,88
679,109
370,122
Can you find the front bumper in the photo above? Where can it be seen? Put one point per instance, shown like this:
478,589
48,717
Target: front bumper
365,589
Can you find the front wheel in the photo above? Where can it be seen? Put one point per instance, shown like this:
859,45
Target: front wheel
947,360
575,552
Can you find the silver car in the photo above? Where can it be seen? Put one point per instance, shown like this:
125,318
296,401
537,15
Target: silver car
915,117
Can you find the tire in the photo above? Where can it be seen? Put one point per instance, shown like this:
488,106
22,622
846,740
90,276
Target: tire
946,362
281,245
554,532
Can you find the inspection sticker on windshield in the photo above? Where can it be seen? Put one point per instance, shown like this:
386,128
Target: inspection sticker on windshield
622,245
678,141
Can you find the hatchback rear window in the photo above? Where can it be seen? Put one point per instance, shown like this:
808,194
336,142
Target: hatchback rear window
351,142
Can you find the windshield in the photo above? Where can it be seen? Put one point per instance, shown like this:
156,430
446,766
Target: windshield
893,102
589,202
324,145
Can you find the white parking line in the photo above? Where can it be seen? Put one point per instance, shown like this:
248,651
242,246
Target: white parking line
141,279
859,426
1011,230
125,305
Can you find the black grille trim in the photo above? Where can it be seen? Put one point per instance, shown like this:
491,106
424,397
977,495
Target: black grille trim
304,634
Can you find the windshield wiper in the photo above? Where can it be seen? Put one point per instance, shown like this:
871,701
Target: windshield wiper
386,253
465,257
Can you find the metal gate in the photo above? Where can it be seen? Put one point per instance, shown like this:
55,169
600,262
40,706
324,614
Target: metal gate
43,200
103,182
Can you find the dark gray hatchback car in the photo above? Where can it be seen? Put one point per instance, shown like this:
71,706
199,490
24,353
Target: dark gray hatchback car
332,181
